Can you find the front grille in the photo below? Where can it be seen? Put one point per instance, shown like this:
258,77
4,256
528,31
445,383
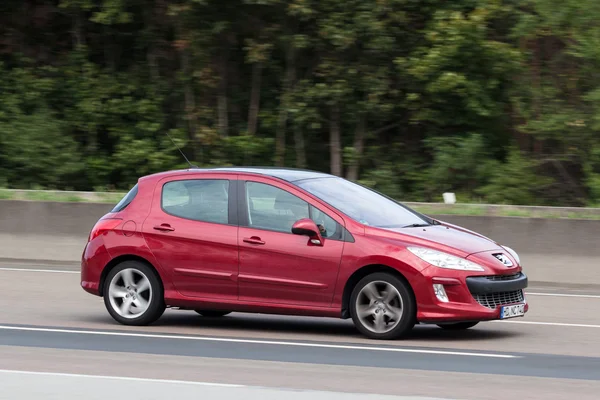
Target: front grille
493,300
504,277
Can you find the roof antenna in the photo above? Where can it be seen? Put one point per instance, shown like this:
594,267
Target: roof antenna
186,159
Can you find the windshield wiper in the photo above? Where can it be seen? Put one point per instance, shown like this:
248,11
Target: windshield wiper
415,225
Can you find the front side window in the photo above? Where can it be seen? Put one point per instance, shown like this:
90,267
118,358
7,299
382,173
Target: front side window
275,209
204,200
327,225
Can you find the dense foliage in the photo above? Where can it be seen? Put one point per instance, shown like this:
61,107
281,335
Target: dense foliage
498,101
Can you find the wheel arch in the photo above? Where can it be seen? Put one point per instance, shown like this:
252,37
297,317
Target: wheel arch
360,274
120,259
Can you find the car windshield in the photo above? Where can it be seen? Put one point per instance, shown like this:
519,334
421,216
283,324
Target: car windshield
364,205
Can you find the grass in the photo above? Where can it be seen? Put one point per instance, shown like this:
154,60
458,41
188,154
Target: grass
58,196
425,208
5,194
458,209
110,197
508,211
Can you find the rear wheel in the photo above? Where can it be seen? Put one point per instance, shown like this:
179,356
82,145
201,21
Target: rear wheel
383,306
133,294
459,326
213,313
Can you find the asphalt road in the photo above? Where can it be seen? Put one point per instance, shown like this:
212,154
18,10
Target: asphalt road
56,340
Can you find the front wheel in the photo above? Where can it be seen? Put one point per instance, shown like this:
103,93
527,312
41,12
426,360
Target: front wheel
133,294
382,306
458,326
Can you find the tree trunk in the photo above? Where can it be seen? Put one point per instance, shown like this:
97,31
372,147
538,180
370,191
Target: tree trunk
78,37
254,98
109,49
537,99
151,59
280,137
290,76
359,138
222,97
189,97
300,149
335,148
153,65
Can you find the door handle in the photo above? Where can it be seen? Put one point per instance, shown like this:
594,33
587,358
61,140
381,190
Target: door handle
164,228
254,240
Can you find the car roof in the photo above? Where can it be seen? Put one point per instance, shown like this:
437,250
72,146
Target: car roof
286,174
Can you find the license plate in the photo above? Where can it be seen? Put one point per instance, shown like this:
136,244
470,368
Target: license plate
516,310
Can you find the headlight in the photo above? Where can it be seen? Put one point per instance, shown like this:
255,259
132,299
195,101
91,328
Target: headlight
444,260
513,253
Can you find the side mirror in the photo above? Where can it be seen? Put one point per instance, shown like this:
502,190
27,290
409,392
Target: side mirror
307,227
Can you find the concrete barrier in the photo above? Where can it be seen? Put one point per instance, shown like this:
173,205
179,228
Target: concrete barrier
553,251
44,232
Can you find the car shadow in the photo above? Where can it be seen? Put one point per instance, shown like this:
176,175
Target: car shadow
482,331
323,328
261,323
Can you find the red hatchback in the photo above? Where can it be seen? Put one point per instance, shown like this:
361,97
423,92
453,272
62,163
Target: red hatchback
295,242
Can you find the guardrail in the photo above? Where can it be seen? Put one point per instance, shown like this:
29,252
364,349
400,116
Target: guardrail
497,210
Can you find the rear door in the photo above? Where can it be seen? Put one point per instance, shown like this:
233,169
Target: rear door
192,231
277,266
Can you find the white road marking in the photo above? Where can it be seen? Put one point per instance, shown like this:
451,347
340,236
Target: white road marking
265,342
54,271
120,378
583,296
550,324
22,386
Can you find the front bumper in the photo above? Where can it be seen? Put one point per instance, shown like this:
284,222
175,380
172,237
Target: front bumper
470,298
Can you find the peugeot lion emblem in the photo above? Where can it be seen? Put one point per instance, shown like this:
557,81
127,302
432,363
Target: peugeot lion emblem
503,259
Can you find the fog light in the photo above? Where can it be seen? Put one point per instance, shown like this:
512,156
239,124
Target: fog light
440,292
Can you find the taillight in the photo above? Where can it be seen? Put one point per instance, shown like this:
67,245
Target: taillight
104,225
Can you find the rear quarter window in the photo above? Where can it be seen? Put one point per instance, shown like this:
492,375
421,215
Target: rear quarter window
126,200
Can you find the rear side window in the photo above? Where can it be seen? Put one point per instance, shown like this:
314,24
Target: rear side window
205,200
125,201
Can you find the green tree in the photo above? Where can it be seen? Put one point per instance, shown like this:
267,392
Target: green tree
496,100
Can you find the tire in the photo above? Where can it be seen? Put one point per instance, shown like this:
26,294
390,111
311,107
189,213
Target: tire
401,302
459,326
144,296
212,313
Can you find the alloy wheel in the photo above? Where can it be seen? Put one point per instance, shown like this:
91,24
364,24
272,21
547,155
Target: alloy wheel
130,293
379,307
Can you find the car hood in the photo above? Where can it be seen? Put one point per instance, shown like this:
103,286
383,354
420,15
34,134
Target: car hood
445,235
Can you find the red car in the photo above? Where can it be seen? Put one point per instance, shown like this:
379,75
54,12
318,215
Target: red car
295,242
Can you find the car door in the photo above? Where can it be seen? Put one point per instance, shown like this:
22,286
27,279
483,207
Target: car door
192,231
277,266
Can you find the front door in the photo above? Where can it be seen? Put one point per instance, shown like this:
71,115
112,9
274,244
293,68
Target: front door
277,266
192,231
